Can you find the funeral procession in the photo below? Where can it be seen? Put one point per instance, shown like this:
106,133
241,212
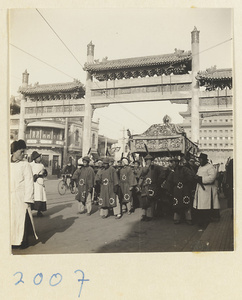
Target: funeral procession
111,163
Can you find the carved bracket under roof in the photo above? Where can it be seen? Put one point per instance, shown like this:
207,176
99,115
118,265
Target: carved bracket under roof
178,62
176,69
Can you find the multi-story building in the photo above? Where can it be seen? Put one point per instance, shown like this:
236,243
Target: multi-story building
47,136
216,115
52,125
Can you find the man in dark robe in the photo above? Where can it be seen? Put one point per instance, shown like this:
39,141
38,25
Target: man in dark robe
84,178
108,198
127,182
179,185
137,170
150,188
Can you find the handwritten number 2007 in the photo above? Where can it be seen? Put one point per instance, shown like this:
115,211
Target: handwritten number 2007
55,279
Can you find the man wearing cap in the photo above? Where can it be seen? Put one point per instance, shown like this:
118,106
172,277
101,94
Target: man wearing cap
69,169
109,189
206,200
84,178
22,196
137,170
150,187
39,173
111,161
179,186
97,171
127,183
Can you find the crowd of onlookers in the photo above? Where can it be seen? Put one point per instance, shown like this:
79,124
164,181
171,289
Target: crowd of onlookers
185,187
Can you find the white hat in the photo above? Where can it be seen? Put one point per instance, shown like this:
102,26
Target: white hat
79,162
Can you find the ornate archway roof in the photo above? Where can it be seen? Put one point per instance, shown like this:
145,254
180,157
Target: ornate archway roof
178,62
214,78
75,89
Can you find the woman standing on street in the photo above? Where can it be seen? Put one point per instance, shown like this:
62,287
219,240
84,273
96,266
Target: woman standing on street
39,172
22,191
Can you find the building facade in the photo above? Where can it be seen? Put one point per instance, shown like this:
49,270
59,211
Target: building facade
216,115
47,136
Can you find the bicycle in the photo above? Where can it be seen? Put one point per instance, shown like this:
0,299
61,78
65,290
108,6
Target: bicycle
66,184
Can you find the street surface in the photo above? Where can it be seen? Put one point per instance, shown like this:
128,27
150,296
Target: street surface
64,230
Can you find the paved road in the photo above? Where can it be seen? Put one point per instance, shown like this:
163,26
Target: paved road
63,230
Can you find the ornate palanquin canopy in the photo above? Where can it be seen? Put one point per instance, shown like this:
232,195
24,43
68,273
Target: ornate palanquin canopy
178,62
54,91
214,78
162,140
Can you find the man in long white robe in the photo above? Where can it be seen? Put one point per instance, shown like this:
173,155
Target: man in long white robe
22,191
206,199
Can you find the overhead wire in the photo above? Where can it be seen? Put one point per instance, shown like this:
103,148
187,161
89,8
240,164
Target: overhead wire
213,47
111,98
114,100
59,37
82,65
41,61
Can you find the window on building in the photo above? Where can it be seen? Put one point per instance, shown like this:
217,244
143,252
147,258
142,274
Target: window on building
210,145
221,130
46,134
221,145
215,130
205,130
27,134
215,145
35,133
210,131
210,121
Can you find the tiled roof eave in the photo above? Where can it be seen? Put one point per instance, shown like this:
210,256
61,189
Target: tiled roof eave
71,87
44,92
107,67
212,78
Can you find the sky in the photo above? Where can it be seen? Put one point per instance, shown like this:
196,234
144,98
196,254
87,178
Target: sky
116,33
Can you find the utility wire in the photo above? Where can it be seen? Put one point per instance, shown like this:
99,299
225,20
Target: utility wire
81,64
114,100
59,37
123,107
41,60
213,46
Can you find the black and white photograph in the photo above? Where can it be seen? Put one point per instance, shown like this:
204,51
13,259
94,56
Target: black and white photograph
120,149
121,130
